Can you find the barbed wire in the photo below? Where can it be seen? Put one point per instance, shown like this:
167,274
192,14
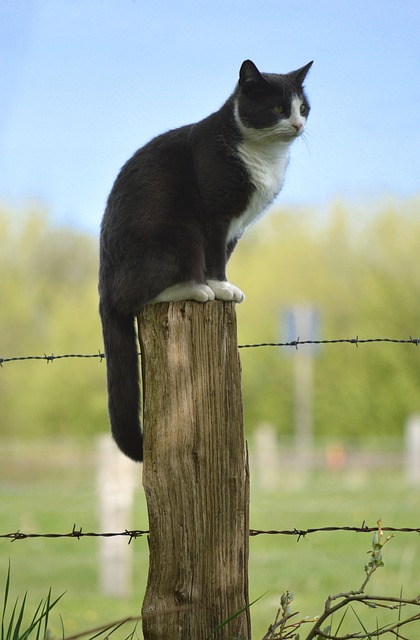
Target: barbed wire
356,341
293,343
302,533
53,357
78,533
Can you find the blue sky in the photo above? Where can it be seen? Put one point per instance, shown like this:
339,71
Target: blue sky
84,83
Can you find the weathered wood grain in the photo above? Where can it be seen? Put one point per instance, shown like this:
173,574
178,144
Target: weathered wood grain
195,472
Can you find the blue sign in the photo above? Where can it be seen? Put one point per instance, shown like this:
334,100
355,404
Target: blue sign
301,324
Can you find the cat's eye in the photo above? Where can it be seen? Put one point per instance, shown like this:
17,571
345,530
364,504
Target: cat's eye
303,108
278,108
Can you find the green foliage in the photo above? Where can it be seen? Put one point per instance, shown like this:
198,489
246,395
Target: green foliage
18,624
49,304
49,486
356,267
376,561
286,625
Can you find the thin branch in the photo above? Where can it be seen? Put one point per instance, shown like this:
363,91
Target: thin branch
363,599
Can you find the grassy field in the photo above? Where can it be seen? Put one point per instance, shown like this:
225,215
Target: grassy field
50,489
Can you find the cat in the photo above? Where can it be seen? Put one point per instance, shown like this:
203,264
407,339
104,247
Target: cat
175,213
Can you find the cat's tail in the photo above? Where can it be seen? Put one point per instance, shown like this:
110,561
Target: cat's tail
123,382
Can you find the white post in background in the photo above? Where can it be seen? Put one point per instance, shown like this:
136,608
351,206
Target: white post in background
301,323
265,457
116,476
412,450
303,408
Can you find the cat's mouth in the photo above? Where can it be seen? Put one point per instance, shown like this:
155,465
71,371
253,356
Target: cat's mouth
297,129
291,131
291,134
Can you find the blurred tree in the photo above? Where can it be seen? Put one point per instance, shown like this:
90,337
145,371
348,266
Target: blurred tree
356,266
49,304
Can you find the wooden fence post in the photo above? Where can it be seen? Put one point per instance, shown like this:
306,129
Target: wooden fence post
195,473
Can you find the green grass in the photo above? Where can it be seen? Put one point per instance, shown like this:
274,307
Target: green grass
50,489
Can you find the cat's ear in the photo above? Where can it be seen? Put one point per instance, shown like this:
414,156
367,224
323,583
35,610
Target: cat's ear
300,74
249,76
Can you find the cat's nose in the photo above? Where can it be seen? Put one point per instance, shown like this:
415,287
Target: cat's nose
297,126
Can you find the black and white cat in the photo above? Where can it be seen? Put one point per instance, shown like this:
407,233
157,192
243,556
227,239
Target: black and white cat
176,211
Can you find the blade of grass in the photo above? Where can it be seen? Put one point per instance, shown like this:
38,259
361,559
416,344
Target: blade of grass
97,631
399,612
131,635
341,621
46,618
111,629
19,620
5,600
62,627
234,615
38,618
361,623
12,623
26,633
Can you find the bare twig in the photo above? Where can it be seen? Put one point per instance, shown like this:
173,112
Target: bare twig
282,630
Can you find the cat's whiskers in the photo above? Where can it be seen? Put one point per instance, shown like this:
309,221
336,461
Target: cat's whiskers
272,134
305,135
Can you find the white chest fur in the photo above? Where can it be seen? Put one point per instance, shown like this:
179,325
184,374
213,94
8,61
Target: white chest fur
266,163
265,154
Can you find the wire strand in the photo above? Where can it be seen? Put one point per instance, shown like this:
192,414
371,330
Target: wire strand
133,534
293,343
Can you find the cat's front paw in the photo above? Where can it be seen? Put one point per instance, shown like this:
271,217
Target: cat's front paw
185,291
226,291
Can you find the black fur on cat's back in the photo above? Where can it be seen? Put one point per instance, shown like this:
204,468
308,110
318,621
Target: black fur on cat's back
169,220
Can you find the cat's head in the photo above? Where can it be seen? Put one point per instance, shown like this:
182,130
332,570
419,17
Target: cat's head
270,105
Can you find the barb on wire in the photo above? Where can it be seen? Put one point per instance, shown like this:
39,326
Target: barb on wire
50,358
302,533
293,343
356,341
78,533
75,533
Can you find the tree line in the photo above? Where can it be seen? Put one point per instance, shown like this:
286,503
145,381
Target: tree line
355,265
